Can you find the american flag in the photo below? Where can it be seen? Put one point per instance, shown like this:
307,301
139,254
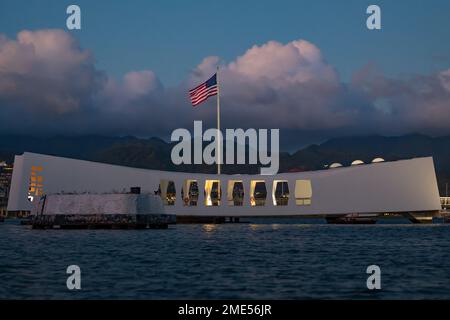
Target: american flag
204,91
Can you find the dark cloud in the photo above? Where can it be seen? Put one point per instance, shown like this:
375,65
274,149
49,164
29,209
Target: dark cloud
49,85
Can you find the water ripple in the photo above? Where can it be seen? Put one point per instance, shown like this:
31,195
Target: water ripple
257,261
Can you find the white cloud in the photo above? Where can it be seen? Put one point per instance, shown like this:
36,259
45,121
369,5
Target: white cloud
49,84
444,77
46,71
296,62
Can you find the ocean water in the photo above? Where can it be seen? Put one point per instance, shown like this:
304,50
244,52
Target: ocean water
262,259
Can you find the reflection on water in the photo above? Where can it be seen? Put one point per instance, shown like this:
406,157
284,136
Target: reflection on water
255,227
267,259
275,226
208,228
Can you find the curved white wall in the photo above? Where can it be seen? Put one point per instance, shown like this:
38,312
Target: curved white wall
399,186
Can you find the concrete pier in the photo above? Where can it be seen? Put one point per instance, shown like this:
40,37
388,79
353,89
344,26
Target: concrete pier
105,221
100,211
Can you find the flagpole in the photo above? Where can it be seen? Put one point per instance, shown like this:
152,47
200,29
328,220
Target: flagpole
218,123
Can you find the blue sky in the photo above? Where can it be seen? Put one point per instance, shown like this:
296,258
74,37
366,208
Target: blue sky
171,37
341,79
